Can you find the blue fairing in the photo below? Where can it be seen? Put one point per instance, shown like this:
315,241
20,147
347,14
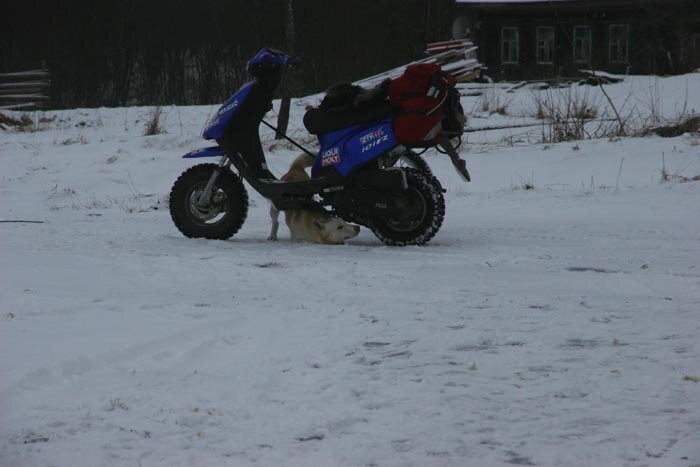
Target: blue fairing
351,147
211,151
269,55
216,127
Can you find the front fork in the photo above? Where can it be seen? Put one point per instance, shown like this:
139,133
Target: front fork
205,196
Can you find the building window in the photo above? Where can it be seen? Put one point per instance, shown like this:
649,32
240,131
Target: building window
545,45
510,45
460,28
618,43
582,44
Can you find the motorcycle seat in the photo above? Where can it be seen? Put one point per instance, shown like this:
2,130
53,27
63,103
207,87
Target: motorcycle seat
318,122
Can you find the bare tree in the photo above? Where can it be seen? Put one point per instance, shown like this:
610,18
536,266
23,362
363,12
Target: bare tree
289,82
175,52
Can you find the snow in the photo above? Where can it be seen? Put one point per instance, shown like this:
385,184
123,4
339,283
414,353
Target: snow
551,326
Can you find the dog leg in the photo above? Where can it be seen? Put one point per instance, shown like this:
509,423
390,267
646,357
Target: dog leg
274,214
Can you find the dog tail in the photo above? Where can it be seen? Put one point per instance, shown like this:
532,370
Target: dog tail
302,161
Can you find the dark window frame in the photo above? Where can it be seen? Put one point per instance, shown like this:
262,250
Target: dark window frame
586,40
509,59
545,44
620,41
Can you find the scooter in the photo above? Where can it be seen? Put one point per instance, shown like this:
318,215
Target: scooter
354,177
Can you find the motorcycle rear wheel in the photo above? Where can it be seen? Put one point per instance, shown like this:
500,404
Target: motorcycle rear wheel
411,160
424,207
221,217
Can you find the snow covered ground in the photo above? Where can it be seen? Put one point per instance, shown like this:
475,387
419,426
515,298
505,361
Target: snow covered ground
551,326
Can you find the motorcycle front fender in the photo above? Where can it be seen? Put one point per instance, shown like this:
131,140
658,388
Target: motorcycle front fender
211,151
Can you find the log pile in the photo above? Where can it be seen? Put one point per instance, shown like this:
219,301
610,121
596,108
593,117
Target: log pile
24,90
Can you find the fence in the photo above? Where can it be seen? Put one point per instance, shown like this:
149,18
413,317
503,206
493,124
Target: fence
25,90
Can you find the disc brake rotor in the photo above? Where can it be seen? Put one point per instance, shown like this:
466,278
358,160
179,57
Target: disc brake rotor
209,211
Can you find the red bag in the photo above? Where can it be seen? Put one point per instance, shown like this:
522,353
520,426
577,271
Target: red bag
424,97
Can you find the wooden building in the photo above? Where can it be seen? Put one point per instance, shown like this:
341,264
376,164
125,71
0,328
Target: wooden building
541,39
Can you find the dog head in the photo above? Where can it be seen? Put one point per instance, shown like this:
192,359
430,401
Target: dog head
334,231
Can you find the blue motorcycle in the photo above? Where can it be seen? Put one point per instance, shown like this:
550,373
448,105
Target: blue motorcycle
355,175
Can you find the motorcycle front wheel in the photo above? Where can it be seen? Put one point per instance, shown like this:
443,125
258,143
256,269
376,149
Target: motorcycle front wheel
221,217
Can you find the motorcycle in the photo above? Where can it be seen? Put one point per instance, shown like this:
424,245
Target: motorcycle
362,172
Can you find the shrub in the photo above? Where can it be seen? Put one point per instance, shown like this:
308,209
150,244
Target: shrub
154,125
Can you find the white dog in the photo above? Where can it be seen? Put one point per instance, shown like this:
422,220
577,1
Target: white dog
308,224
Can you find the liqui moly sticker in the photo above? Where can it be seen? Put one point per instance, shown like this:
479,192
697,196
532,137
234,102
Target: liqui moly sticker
330,157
